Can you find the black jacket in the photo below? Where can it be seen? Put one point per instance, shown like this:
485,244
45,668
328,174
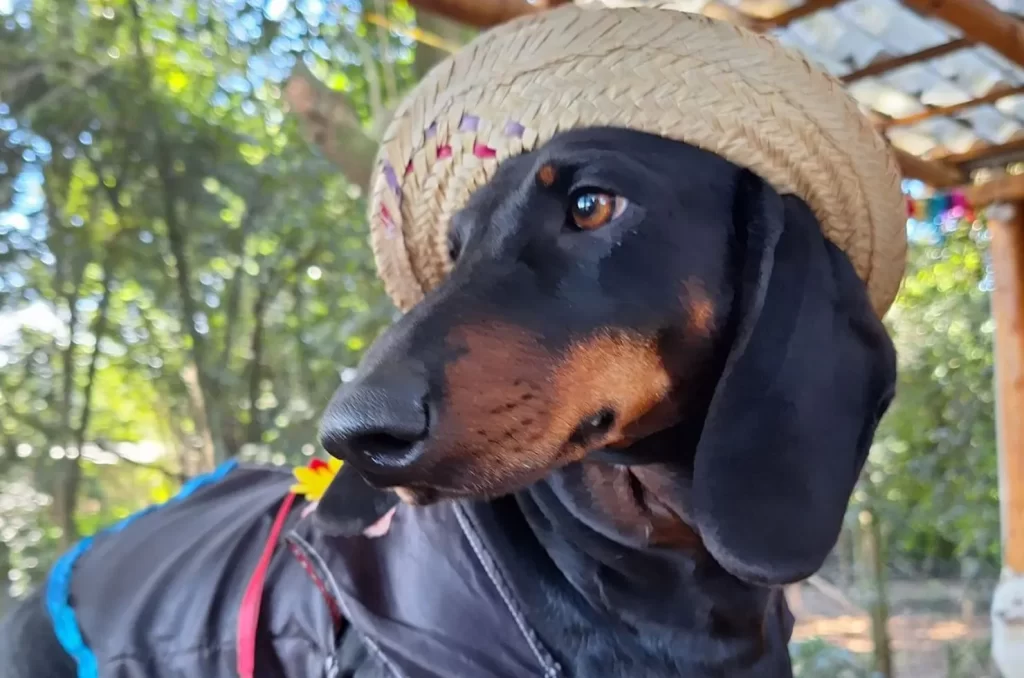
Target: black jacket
445,593
159,597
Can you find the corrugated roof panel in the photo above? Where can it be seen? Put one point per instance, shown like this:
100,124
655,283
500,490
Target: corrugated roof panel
1012,106
900,30
950,135
990,124
913,141
854,34
884,98
977,69
820,58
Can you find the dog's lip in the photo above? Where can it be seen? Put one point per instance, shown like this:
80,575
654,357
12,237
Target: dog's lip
411,481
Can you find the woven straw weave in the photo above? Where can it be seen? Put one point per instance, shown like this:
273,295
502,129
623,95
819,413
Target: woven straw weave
680,75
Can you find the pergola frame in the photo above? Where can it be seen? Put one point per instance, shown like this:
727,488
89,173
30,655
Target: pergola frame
979,21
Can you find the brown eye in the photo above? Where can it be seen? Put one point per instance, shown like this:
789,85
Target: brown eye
591,209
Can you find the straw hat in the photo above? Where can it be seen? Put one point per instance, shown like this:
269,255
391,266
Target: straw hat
684,76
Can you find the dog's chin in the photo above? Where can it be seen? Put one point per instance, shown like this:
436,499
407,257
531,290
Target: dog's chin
425,495
451,479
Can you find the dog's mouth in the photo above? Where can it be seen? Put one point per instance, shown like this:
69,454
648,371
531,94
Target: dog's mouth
439,474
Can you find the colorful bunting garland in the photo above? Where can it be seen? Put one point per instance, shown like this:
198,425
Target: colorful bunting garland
940,208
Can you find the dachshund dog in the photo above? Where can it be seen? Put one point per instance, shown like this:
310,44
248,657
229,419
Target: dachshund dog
635,409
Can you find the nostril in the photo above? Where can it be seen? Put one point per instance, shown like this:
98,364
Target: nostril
594,427
385,449
373,429
378,421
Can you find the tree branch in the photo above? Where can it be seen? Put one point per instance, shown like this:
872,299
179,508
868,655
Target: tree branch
450,33
328,118
99,331
176,238
254,432
372,78
481,13
131,462
232,307
390,84
33,422
330,122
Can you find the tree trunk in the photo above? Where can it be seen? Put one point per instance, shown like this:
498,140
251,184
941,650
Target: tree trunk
65,496
177,241
846,551
873,583
254,434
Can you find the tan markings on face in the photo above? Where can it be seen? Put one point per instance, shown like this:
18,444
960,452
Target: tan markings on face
496,417
669,529
547,175
701,311
511,406
616,371
619,494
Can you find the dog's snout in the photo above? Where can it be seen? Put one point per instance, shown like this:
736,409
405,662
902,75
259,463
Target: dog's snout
378,422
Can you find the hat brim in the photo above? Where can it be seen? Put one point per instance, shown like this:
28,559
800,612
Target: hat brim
684,76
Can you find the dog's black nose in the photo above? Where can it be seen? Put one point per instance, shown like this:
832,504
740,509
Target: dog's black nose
377,422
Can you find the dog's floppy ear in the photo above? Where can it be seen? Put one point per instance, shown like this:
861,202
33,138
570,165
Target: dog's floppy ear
810,372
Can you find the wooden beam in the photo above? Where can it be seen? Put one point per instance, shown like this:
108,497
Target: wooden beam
1005,188
935,174
995,95
489,13
799,12
480,13
1006,226
883,66
985,154
978,20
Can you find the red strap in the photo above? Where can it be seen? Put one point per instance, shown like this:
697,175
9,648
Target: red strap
332,604
249,612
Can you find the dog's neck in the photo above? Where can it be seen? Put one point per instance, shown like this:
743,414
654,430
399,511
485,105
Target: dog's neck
619,536
618,558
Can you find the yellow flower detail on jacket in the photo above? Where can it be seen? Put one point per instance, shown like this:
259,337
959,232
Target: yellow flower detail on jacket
312,480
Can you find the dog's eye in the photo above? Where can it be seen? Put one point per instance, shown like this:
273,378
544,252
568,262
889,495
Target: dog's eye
593,209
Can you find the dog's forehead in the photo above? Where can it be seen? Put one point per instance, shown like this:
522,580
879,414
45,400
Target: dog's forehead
693,181
582,142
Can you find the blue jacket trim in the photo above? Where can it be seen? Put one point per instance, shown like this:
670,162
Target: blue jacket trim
58,586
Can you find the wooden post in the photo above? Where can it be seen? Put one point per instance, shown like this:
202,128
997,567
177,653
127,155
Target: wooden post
1006,225
872,581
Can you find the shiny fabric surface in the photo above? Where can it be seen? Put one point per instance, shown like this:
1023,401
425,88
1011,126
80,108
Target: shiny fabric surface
160,598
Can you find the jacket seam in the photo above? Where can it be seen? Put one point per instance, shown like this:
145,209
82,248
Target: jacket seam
318,560
547,663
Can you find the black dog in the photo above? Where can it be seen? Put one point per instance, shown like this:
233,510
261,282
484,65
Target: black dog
636,408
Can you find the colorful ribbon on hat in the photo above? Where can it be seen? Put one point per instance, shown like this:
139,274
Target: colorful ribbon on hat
940,208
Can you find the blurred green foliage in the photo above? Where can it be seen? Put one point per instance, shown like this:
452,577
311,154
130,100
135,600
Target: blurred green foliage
182,276
934,466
